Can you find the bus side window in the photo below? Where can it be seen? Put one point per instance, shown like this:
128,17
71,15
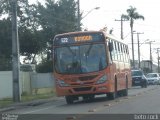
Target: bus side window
118,52
113,49
120,45
110,46
122,52
126,55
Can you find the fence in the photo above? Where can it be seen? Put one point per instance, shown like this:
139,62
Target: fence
30,83
42,83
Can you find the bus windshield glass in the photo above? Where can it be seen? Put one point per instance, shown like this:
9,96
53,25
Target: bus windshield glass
80,58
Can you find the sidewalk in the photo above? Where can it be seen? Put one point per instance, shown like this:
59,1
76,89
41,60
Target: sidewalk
29,103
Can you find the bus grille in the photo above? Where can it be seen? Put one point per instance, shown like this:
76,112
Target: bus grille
82,89
86,83
85,78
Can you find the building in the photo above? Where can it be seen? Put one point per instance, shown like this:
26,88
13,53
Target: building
146,66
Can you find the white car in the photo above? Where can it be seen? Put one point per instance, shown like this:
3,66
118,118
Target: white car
153,78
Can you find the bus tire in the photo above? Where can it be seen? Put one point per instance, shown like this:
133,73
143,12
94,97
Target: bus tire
88,98
113,95
69,99
125,92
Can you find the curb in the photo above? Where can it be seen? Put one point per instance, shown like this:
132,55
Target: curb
29,104
7,109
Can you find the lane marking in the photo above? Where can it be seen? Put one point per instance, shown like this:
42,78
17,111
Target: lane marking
92,110
33,111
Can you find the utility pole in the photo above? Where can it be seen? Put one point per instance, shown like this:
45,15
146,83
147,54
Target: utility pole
15,53
78,22
121,20
139,60
150,44
158,59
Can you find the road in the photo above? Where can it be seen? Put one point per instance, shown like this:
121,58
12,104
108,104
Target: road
139,100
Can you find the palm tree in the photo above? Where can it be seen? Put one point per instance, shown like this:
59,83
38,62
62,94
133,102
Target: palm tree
132,15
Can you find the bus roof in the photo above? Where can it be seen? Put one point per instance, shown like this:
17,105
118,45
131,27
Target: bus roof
78,32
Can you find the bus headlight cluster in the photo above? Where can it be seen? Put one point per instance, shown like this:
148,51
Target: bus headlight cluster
62,83
103,79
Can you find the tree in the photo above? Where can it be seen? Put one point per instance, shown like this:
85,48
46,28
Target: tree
5,45
31,43
5,38
45,66
132,15
31,40
57,17
38,24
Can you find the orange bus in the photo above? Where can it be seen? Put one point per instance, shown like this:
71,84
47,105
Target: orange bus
89,63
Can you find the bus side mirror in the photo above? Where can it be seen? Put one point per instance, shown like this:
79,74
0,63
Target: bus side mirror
110,46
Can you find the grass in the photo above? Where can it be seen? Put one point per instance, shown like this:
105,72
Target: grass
35,97
6,101
25,98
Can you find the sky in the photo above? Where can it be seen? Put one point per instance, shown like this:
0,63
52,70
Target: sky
112,9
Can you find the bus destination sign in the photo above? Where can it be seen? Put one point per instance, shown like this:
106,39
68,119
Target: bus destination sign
83,38
70,39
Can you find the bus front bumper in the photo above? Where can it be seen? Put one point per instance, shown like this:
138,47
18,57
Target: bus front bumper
94,89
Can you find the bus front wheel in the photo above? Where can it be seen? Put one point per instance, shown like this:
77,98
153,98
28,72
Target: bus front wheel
125,92
111,96
88,98
69,99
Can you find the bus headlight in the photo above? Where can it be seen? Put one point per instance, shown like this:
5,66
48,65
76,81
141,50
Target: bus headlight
62,83
103,79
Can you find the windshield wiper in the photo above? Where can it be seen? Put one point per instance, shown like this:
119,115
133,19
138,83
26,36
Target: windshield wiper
88,52
89,49
71,50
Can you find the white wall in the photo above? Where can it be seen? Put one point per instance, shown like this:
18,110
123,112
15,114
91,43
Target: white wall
25,82
28,82
42,80
5,84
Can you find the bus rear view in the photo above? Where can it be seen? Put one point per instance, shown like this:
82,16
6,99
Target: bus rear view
81,65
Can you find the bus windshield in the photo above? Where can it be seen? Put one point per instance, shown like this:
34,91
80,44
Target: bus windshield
80,59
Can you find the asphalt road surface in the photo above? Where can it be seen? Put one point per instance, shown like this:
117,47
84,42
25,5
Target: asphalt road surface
145,101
